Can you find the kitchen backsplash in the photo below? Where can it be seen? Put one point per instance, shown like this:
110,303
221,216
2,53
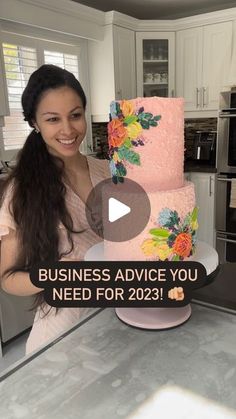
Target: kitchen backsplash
100,143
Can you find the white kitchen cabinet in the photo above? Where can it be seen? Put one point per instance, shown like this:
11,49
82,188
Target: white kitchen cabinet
205,200
202,61
155,63
112,71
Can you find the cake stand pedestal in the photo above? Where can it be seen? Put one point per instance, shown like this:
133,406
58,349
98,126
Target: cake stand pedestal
161,318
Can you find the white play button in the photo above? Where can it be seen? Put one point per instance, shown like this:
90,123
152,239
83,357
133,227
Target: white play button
119,212
116,209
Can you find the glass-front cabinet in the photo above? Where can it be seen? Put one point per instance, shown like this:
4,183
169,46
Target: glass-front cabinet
155,64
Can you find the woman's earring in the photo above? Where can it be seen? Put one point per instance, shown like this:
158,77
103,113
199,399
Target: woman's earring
36,130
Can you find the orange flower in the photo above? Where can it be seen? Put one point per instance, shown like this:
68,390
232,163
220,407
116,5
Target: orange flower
116,133
127,108
183,244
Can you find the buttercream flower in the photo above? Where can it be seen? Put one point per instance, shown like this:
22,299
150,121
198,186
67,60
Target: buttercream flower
116,157
112,167
194,225
164,216
163,251
148,247
183,244
134,130
127,108
116,133
113,110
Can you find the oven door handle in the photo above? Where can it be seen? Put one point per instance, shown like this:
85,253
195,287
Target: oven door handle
227,115
226,240
225,179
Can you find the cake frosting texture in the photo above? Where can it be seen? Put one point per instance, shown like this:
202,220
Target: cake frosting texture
146,145
146,140
170,233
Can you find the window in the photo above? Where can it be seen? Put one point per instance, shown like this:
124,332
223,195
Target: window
22,56
19,63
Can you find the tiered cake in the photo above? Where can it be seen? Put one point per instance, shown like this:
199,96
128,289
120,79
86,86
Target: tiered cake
146,143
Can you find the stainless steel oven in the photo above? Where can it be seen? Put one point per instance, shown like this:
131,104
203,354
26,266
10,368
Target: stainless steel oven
222,291
225,220
226,147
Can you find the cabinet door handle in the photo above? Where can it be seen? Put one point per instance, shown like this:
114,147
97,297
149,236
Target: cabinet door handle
204,103
197,97
210,187
172,93
119,94
224,179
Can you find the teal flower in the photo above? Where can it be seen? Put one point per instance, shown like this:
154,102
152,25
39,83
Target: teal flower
164,217
113,110
112,168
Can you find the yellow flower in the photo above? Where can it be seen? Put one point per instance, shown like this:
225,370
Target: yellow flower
163,251
134,130
127,108
194,225
116,157
148,247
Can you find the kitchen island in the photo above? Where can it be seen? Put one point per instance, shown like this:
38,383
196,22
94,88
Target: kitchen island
104,369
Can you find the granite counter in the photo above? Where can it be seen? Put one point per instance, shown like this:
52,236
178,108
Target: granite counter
105,369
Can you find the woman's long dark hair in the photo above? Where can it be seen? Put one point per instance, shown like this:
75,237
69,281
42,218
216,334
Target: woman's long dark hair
38,199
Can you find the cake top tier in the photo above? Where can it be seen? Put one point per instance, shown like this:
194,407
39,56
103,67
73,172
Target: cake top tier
146,142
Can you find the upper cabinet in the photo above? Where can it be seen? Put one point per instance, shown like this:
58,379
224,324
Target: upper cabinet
111,70
203,57
124,63
155,63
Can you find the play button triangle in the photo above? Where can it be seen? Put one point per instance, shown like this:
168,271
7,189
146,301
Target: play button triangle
116,209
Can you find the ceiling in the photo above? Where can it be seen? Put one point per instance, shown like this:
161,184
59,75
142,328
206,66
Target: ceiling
159,9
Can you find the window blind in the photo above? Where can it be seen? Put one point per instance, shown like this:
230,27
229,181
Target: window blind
20,62
67,61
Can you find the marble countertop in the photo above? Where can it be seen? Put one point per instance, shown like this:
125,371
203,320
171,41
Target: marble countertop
105,369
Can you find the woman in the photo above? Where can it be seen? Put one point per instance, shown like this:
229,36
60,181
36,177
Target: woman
42,215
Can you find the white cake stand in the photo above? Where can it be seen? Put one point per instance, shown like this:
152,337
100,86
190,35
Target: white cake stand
160,318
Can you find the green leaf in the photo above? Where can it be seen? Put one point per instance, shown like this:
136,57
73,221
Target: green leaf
127,143
186,222
153,123
118,110
147,115
129,155
171,239
160,233
130,119
194,214
144,124
175,258
121,171
157,118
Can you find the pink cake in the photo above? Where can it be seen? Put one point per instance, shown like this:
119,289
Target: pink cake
146,143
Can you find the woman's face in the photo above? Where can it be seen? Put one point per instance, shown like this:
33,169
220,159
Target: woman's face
60,117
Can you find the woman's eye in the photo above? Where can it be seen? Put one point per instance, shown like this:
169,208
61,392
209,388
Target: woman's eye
53,119
76,115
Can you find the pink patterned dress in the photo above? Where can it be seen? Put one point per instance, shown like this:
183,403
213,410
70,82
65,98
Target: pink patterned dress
47,327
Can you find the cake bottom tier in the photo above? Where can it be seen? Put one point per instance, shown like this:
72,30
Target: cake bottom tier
170,233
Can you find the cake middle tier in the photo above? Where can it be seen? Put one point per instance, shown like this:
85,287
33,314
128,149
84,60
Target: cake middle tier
170,233
146,142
